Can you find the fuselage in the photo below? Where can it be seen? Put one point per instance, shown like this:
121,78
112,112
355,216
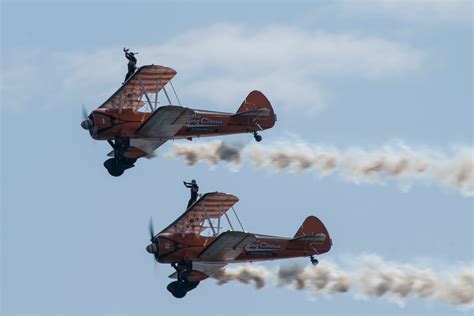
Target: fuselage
174,247
112,123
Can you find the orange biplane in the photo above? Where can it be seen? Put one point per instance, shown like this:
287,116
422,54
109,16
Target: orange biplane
134,124
195,256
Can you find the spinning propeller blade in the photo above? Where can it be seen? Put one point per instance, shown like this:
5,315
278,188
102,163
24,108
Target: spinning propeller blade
86,123
150,229
153,247
85,116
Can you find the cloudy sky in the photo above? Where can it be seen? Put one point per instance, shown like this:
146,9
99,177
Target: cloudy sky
373,83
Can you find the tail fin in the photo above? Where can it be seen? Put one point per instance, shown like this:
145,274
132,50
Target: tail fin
314,235
312,227
257,106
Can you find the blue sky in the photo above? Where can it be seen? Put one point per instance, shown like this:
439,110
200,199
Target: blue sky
343,74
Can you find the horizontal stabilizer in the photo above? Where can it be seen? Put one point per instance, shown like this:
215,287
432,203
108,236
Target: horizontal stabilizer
260,113
227,246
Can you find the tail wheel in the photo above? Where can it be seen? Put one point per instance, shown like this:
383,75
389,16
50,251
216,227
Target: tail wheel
257,137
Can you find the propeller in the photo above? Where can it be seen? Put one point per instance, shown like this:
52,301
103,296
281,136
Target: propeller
150,229
153,247
86,123
85,116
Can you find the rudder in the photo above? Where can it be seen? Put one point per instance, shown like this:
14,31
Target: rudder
257,106
311,227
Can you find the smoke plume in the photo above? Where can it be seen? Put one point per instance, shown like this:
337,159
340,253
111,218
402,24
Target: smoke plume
372,277
392,162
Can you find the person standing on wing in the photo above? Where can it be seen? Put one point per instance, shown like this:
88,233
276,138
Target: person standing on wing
132,62
194,191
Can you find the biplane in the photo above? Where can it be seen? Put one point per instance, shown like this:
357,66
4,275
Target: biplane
196,256
135,124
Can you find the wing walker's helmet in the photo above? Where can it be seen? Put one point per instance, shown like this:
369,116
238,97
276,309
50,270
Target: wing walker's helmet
193,181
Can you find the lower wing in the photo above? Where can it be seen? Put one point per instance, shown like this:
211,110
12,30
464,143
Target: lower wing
165,122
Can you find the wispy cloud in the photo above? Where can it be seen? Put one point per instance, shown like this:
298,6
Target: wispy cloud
220,64
444,11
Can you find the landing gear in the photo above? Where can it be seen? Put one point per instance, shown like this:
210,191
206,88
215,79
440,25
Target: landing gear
114,167
179,289
257,137
182,286
314,261
118,164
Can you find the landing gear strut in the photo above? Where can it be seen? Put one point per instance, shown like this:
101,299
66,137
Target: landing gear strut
314,261
182,286
257,137
118,164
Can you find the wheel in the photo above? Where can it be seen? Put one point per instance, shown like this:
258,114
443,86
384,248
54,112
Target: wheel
177,288
114,167
257,137
116,172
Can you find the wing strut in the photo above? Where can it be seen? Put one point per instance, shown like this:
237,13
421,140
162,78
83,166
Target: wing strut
228,221
167,96
156,92
146,94
171,83
210,222
235,213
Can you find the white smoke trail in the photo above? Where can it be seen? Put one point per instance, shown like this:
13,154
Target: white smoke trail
244,274
373,277
398,162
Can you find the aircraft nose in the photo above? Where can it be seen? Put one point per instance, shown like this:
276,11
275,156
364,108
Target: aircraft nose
151,248
87,124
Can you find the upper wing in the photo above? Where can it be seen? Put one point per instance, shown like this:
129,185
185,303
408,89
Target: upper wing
147,79
227,246
210,205
165,122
